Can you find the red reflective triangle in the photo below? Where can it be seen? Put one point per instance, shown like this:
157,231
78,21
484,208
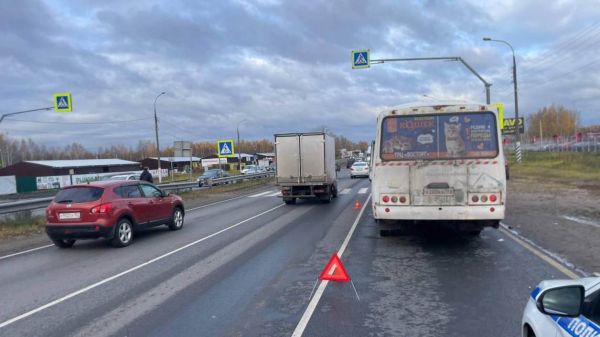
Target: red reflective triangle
334,271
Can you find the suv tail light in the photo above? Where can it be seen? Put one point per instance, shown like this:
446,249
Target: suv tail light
102,208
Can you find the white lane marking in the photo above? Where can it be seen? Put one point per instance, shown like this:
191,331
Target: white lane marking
537,252
581,221
276,194
596,274
216,203
317,297
187,210
345,191
130,270
25,251
363,190
259,194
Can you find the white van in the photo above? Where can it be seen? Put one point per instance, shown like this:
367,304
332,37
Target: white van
438,161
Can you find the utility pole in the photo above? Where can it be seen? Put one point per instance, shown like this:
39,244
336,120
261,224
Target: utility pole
518,138
239,145
157,144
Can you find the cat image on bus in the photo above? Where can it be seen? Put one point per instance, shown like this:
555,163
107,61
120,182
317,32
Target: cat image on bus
438,162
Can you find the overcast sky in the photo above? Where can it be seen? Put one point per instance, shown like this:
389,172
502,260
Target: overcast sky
279,66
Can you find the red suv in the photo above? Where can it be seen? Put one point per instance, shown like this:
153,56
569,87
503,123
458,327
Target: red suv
111,210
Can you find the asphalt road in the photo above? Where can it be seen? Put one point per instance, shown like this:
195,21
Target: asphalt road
248,266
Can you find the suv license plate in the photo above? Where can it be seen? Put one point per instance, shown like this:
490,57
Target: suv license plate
69,216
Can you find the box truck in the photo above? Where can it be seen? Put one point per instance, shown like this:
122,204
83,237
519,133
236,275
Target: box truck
305,166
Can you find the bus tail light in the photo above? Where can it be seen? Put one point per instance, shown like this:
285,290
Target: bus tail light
484,198
394,199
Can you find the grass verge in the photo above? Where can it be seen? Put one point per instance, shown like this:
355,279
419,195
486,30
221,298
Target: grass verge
21,223
568,168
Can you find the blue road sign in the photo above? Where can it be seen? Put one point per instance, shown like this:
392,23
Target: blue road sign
225,148
62,102
361,59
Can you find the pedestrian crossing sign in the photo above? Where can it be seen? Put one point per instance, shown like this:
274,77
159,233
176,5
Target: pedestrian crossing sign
63,102
225,148
361,59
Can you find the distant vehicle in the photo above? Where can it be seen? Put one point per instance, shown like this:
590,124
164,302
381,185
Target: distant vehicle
359,169
132,176
563,308
251,169
306,166
113,210
439,161
349,162
207,177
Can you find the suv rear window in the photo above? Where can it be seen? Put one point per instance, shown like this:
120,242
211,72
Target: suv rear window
79,194
443,136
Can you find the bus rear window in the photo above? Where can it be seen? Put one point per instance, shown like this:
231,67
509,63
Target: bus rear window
444,136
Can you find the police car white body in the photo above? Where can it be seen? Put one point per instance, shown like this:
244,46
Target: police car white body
563,308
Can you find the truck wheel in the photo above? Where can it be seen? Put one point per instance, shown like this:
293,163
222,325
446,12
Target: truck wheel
290,201
334,191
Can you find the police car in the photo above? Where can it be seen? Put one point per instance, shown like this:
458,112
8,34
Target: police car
564,308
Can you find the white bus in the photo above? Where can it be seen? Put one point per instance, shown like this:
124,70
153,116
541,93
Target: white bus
438,162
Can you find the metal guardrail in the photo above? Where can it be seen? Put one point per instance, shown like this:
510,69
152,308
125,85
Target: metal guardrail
32,204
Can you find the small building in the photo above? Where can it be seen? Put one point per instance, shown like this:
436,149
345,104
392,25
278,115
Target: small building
43,168
178,164
32,175
265,158
232,163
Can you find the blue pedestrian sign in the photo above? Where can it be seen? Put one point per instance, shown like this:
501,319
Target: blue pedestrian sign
361,59
63,102
225,148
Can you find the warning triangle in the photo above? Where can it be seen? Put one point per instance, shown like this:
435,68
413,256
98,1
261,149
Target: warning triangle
62,103
334,271
360,59
225,149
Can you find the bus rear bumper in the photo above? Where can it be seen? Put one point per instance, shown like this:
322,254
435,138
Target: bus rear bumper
461,213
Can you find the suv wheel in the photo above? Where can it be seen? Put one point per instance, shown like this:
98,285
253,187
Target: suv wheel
176,219
123,233
63,243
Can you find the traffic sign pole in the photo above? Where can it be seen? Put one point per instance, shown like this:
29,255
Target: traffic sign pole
22,112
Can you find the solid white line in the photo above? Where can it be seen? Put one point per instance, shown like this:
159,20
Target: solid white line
25,251
315,300
363,190
217,202
345,191
597,274
106,280
276,194
259,194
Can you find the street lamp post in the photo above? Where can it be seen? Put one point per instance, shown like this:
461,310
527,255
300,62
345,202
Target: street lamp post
156,131
518,145
239,146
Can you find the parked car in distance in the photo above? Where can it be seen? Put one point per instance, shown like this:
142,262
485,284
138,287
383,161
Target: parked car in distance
251,169
207,177
359,169
131,176
113,210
